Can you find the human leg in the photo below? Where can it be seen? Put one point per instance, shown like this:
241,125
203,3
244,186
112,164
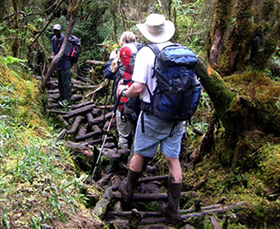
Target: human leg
171,210
134,173
60,85
66,84
124,131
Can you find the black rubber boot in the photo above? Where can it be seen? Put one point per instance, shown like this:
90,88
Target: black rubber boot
171,210
127,187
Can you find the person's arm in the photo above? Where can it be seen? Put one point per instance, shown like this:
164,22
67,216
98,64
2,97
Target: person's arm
135,89
52,53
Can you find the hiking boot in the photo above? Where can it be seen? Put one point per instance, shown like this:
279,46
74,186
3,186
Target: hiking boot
171,210
64,103
127,186
122,145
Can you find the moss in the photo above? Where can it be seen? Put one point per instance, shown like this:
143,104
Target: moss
258,96
19,92
269,164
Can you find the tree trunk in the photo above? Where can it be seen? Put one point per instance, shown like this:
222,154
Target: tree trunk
245,34
249,116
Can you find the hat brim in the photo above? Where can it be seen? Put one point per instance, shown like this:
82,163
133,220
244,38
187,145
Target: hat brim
166,36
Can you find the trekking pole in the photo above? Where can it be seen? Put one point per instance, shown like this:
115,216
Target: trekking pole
106,134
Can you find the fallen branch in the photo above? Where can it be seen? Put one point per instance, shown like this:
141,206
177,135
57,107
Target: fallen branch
58,112
79,111
95,62
101,206
155,178
61,134
81,137
187,216
75,125
158,214
147,196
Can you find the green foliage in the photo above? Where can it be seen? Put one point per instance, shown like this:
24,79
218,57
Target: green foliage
193,23
33,170
9,60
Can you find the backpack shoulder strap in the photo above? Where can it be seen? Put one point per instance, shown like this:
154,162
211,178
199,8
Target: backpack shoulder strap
154,48
137,45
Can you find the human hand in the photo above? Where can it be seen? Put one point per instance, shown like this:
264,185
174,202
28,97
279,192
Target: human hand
51,58
120,89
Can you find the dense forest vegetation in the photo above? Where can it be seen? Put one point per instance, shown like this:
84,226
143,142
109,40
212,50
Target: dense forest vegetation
231,153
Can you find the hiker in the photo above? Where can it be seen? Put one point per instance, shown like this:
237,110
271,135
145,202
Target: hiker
125,70
159,31
63,69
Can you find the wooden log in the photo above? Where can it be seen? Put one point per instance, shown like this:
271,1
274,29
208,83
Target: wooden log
54,91
216,210
110,154
100,140
76,98
85,80
87,152
96,112
100,86
95,128
81,137
53,105
65,123
155,178
110,145
83,104
105,107
84,86
83,130
89,118
146,221
115,182
188,226
149,196
95,62
89,143
80,82
102,205
158,214
79,111
61,134
58,112
104,180
75,125
214,222
100,118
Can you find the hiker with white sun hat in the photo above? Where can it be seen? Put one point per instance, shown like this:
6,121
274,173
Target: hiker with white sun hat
157,30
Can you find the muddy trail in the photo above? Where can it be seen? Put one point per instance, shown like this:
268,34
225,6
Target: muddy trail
84,126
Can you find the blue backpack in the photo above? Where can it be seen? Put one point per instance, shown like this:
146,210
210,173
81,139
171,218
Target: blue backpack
177,94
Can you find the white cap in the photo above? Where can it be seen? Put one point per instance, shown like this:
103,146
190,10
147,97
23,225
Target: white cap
57,27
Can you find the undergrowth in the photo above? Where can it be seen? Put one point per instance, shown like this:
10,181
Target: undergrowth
38,186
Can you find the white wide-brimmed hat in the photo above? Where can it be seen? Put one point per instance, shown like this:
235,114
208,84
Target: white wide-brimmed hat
157,29
57,27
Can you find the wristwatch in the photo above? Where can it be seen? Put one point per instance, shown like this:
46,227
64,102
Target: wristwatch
123,94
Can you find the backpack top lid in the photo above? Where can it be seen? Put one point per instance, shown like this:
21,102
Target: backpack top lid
75,40
178,54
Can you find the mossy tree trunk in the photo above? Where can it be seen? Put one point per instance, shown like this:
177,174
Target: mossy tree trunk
245,33
249,115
